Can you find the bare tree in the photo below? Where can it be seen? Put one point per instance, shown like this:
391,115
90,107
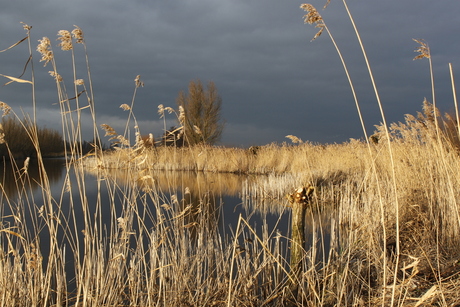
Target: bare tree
202,121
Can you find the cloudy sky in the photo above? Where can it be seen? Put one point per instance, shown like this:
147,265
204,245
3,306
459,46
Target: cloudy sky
272,79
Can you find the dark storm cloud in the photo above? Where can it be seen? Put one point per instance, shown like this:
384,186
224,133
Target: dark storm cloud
272,79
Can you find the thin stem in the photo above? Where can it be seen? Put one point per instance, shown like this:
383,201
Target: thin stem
358,108
131,113
433,97
389,149
454,94
33,76
96,135
78,137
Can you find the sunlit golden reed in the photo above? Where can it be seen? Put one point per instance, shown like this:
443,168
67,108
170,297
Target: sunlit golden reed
313,17
156,233
423,49
44,48
66,40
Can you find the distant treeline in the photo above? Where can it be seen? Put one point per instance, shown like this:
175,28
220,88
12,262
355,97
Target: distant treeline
20,139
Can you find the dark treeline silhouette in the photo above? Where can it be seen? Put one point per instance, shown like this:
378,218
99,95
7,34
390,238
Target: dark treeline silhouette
21,139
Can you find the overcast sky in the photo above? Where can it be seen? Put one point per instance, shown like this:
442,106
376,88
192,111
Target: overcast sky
272,79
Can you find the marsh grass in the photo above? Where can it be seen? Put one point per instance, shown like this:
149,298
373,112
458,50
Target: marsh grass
350,186
134,244
152,238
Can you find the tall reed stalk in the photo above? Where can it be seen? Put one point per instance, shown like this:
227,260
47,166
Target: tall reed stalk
151,238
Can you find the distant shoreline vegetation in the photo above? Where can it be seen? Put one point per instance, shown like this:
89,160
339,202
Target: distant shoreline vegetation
416,132
22,139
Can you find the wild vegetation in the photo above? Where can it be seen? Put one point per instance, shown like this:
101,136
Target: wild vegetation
17,139
391,206
201,118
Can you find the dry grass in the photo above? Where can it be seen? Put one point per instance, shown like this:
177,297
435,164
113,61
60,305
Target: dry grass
351,186
384,220
268,159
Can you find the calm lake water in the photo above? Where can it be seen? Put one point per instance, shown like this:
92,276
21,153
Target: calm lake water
229,194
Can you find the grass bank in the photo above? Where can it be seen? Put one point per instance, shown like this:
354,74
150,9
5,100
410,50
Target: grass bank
396,221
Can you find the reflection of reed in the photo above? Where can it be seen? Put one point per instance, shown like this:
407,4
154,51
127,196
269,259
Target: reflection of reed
198,182
267,193
203,213
12,178
195,197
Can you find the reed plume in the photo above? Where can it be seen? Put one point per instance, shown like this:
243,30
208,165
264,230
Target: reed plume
44,48
66,40
313,17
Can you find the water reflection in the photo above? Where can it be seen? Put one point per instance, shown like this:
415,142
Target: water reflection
12,179
220,197
216,183
260,199
161,220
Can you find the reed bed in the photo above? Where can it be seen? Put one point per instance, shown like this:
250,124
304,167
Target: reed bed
354,211
268,159
383,220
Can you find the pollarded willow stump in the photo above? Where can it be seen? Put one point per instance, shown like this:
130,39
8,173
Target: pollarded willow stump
299,201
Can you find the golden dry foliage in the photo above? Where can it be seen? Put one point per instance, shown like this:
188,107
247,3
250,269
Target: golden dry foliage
351,185
44,48
423,49
386,223
313,17
66,40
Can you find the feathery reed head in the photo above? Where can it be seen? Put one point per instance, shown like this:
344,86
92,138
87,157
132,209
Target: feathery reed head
294,139
5,108
125,107
423,49
429,110
66,40
313,17
138,81
151,140
26,26
161,110
197,129
56,76
109,131
79,82
77,33
139,140
181,114
44,49
122,140
2,135
25,168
